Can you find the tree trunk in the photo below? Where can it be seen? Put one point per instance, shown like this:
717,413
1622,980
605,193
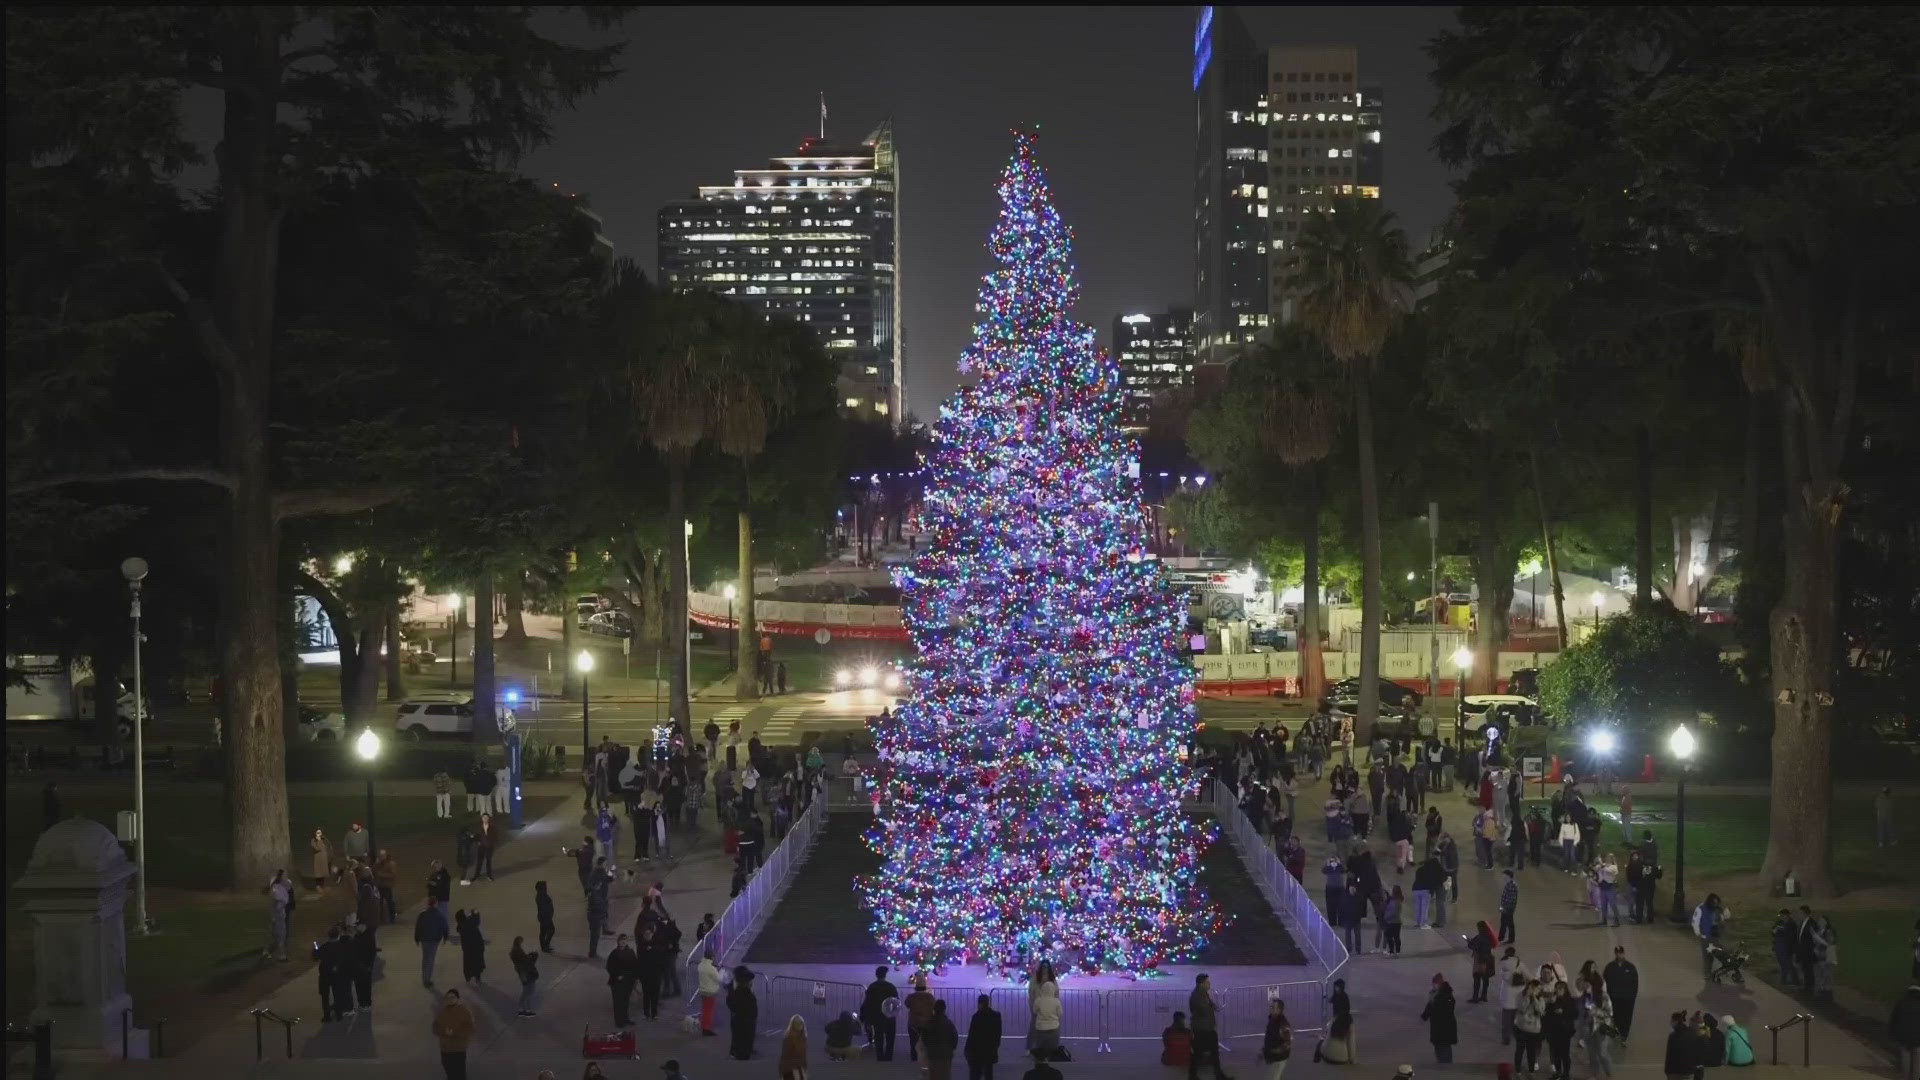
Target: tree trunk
1686,588
516,604
1313,675
1642,515
484,728
396,682
1369,703
1552,555
360,692
680,705
1489,567
1803,635
746,684
239,344
1760,557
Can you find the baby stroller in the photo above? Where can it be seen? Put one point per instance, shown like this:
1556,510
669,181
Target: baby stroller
1726,964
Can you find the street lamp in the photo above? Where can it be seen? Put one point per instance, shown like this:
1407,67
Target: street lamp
135,570
733,635
1599,601
1681,745
367,746
453,634
583,663
1463,662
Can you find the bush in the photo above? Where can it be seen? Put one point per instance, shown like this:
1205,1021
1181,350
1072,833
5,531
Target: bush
1640,668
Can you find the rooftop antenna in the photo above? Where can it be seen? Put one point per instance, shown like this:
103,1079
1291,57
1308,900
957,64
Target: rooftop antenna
823,116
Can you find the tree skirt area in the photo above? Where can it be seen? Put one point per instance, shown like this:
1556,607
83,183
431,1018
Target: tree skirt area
820,919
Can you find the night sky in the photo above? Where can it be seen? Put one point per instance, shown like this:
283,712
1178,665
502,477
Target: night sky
707,90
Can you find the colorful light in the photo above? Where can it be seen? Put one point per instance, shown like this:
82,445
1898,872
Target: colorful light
1030,799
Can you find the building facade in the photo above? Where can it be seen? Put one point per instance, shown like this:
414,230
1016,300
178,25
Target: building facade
814,236
1325,132
1230,186
1155,354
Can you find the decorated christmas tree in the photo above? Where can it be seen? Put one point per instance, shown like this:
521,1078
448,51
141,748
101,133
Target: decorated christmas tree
1029,805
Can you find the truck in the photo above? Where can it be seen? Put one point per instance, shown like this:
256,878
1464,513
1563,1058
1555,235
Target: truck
42,687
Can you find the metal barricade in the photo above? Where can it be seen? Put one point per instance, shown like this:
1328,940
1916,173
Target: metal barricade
1082,1012
757,898
1243,1009
817,1000
1303,920
1138,1015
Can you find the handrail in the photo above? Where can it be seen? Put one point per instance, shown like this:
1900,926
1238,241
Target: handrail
743,910
1805,1020
259,1045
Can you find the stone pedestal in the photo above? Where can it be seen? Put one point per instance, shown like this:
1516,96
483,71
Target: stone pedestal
75,891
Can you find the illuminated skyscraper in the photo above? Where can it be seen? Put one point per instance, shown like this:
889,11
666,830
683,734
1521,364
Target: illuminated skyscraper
1155,354
1230,186
814,237
1325,142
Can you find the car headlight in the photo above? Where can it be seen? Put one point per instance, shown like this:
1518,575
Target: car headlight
842,677
892,680
869,675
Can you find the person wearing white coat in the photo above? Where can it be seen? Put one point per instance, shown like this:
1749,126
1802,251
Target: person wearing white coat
709,993
1044,1032
1509,994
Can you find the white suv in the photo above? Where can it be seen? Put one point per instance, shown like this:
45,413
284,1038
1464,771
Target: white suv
421,717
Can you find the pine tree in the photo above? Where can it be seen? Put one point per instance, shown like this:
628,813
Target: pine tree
1030,804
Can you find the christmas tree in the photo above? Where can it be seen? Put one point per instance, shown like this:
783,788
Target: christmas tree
1029,805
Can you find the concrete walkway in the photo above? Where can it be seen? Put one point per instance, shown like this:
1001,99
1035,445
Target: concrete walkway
393,1041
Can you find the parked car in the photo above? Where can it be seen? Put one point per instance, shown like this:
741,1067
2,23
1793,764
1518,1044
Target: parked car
613,624
1477,712
420,717
1345,695
319,727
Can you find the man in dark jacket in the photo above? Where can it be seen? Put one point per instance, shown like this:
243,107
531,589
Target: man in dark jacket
1623,988
878,1010
1904,1026
543,913
323,951
983,1041
623,970
429,930
1683,1049
939,1038
439,882
1206,1030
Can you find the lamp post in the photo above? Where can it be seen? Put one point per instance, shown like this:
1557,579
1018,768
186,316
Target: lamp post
583,663
733,663
1681,745
1463,663
1433,601
1599,601
367,746
453,635
135,570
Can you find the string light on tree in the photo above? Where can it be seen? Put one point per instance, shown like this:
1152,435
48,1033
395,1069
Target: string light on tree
1030,799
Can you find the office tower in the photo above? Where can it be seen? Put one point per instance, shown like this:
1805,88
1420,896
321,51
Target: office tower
1155,354
814,237
1325,141
1231,186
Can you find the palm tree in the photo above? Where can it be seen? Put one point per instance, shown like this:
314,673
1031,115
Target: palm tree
1296,399
1352,274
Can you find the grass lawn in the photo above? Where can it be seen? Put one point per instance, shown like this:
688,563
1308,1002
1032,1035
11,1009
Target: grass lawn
204,964
1726,843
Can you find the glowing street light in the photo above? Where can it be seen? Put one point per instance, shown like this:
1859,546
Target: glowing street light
1681,745
583,663
367,747
1599,601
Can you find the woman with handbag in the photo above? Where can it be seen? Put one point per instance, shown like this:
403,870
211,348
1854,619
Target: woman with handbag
1277,1047
1596,1027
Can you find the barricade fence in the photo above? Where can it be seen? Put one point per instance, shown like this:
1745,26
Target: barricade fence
1296,909
757,898
1102,1017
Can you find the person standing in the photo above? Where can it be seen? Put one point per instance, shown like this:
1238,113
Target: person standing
502,789
279,913
1353,910
1883,817
793,1050
324,953
1623,989
878,1008
1276,1046
1569,837
442,794
709,990
1597,1027
1903,1024
919,1010
429,930
1391,913
1508,983
385,875
652,968
543,915
623,971
1557,1022
1481,945
940,1039
1206,1030
526,969
1626,814
473,945
453,1026
354,844
1529,1005
983,1040
1607,879
597,882
1786,932
1428,879
1509,903
743,1012
486,838
322,866
1443,1028
1043,1031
